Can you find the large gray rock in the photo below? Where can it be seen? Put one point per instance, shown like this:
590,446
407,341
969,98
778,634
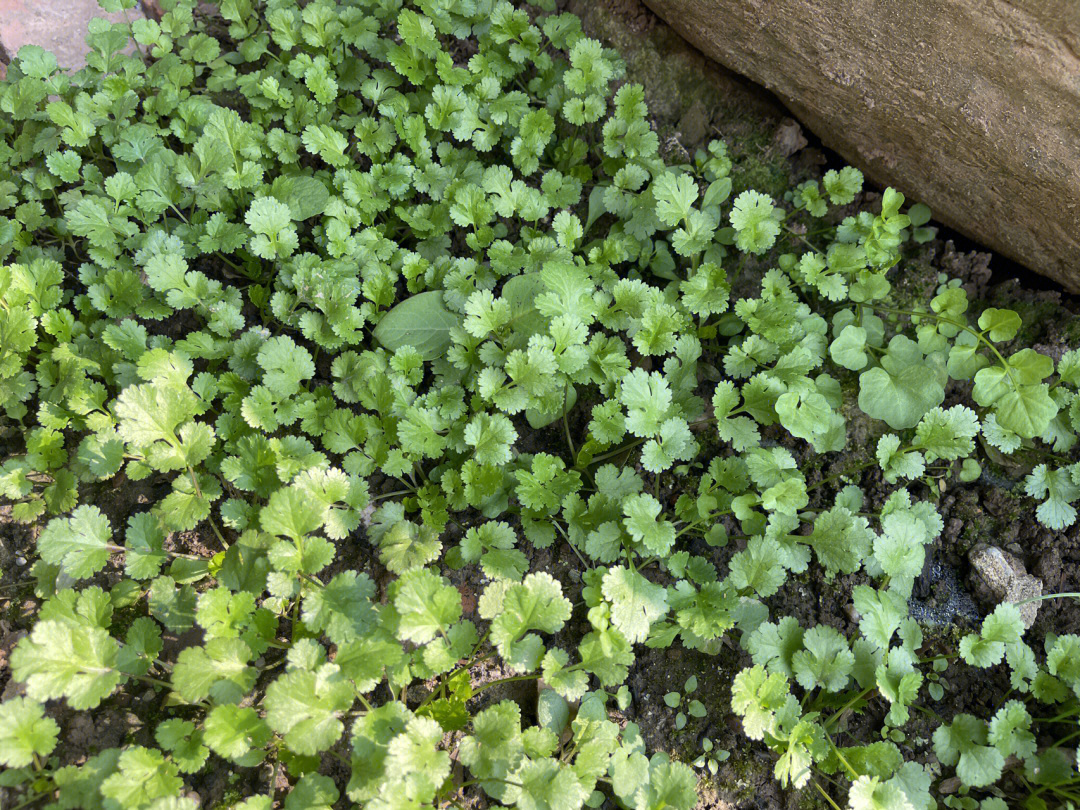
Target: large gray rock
972,106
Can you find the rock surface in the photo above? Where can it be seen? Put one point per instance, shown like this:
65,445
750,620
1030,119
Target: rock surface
999,577
969,106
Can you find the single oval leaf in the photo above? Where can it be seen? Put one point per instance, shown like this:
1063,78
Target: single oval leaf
422,321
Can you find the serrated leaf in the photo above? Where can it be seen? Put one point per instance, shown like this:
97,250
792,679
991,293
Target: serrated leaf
305,708
65,659
79,544
536,603
636,603
25,732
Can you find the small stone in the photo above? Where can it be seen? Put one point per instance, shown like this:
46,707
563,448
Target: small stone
20,560
950,785
468,599
693,123
1000,577
789,137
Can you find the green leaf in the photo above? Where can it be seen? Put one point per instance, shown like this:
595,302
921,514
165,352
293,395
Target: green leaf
143,776
1000,630
541,419
65,659
1022,403
536,603
491,436
427,603
675,195
152,412
848,349
220,670
841,540
1000,324
1026,411
36,62
636,603
647,398
880,614
144,552
421,321
757,696
406,545
306,196
759,567
900,550
870,793
904,387
79,544
271,222
550,785
184,743
285,365
896,462
1058,491
947,434
774,645
414,761
1010,731
304,707
342,608
237,733
292,513
313,792
825,660
842,185
641,522
963,743
25,732
753,217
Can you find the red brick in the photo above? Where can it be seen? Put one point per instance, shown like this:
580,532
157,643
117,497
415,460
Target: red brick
56,25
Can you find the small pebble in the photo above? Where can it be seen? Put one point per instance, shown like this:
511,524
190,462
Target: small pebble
1001,577
20,560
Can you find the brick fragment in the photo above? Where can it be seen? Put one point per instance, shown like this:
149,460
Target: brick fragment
56,25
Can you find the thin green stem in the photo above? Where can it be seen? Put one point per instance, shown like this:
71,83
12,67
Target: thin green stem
1068,595
31,800
501,681
943,319
825,795
618,450
831,478
566,422
836,715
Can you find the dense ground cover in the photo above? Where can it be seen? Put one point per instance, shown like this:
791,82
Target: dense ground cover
383,395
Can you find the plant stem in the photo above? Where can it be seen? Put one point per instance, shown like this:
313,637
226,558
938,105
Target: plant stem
500,681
